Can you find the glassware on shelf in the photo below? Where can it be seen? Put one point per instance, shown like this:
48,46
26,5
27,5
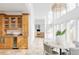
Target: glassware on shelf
13,25
6,22
13,20
6,26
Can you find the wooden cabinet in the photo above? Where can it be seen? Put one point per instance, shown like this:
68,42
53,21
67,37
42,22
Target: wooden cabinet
39,34
11,24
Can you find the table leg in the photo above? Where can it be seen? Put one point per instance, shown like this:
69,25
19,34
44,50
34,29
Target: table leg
60,51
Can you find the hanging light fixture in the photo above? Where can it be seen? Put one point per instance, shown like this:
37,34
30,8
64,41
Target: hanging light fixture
57,7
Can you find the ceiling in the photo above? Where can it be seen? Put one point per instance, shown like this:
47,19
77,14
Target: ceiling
14,7
40,10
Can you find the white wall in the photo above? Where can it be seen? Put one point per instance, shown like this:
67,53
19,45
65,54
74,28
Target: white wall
31,26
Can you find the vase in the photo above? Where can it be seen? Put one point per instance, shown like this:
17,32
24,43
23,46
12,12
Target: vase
58,40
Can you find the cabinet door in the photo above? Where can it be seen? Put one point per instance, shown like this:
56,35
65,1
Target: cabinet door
1,45
22,42
8,42
2,42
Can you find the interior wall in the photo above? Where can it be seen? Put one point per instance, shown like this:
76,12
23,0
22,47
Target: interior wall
31,26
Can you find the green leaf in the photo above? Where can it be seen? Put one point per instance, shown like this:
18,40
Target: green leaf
63,32
60,33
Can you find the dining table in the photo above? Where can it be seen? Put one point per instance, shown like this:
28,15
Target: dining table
60,46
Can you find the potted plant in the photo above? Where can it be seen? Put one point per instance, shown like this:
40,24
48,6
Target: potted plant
59,34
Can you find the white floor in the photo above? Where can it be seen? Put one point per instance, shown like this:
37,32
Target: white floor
35,49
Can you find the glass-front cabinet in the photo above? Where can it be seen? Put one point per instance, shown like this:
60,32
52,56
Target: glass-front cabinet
14,30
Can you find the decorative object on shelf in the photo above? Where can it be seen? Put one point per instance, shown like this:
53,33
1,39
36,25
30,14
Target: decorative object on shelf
58,35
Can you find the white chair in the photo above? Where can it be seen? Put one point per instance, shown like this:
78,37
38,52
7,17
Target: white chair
74,51
49,51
